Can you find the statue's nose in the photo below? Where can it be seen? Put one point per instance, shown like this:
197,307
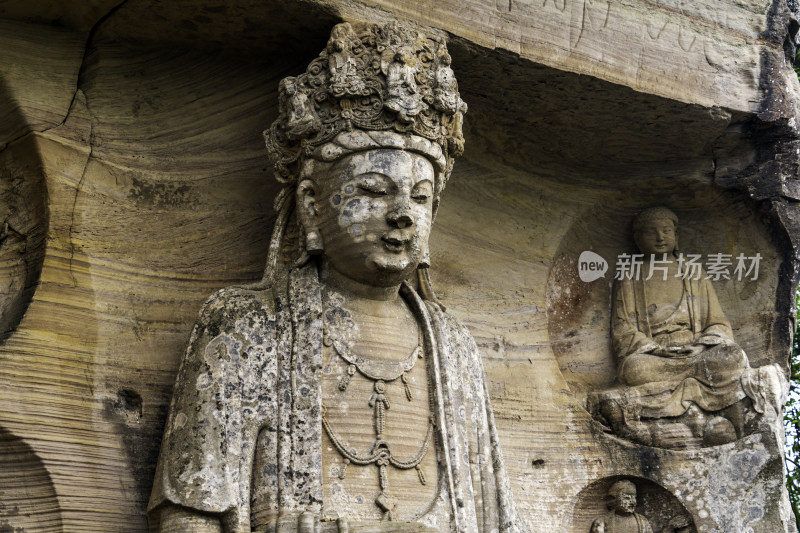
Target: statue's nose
400,217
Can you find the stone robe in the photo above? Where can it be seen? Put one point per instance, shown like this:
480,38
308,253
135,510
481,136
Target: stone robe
612,523
253,366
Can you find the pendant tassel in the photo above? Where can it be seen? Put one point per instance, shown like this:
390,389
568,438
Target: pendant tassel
404,378
344,381
380,403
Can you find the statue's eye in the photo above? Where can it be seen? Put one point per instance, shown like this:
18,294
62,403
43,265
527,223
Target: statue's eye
373,187
422,192
421,197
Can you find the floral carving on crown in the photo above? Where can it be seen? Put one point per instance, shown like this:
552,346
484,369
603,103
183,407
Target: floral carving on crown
383,78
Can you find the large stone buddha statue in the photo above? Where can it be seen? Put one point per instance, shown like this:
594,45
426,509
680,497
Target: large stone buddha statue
682,379
337,395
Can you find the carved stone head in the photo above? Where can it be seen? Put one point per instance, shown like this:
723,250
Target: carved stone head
622,497
655,231
364,145
371,212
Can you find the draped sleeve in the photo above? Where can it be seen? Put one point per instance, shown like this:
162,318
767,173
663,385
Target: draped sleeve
224,394
626,337
712,320
481,487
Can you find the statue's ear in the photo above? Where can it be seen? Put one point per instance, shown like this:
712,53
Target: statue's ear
307,204
308,215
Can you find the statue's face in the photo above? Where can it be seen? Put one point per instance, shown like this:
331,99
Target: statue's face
625,501
374,213
656,236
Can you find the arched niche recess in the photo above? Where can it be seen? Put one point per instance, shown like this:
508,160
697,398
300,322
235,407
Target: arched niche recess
655,503
23,217
28,500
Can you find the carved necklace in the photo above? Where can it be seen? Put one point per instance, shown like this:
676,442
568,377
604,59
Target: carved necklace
380,373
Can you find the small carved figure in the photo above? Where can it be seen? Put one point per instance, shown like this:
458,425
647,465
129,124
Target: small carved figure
682,376
445,94
401,87
622,516
301,120
337,394
345,79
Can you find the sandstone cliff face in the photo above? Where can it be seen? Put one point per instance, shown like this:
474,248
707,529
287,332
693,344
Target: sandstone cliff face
134,182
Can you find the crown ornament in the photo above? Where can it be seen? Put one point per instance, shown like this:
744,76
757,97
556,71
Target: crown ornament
383,78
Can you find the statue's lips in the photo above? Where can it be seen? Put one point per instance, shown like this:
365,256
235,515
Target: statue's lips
395,244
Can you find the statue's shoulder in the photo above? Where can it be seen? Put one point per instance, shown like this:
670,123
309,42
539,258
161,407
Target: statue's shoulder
623,289
449,327
439,313
223,309
622,284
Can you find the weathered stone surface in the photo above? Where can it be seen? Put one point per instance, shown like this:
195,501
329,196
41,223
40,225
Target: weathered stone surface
333,391
157,193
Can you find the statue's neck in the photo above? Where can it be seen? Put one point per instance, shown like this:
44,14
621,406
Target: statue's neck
383,324
355,291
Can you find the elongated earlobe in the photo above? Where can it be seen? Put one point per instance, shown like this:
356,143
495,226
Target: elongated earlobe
425,261
307,214
314,243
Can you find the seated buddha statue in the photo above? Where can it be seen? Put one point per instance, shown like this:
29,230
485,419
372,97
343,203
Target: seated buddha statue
681,376
337,394
622,516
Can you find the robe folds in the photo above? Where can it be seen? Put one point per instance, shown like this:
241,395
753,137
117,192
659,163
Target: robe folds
254,366
667,385
607,524
632,327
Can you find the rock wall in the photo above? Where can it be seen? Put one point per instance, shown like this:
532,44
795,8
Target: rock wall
134,182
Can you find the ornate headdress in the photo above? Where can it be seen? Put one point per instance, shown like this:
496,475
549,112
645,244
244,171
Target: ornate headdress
388,78
384,86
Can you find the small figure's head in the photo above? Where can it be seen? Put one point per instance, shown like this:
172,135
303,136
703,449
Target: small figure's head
287,86
655,231
622,497
341,35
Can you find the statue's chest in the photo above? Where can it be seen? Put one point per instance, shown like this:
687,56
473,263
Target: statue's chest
379,447
618,523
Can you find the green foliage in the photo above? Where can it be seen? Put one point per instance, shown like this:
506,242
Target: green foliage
791,420
796,62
